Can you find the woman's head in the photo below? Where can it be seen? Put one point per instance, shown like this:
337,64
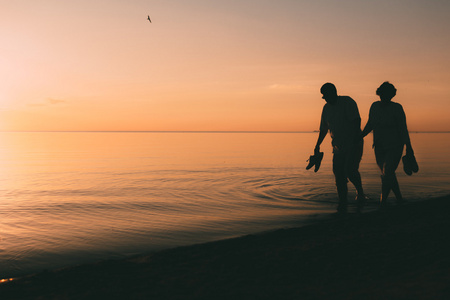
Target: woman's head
386,91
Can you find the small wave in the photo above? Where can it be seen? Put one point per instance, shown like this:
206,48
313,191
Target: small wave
266,185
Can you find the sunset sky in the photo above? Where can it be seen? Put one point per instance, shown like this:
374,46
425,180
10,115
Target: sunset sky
217,65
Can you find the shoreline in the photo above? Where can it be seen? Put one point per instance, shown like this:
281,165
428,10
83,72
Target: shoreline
395,254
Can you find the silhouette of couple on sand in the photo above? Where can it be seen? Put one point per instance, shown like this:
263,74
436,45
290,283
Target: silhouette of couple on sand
387,120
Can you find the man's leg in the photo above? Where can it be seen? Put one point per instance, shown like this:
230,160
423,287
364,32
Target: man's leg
352,168
355,178
341,180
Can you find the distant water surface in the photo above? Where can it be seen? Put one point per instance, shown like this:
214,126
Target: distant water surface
74,197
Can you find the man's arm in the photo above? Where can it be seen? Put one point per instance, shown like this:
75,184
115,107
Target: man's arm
352,115
356,126
323,132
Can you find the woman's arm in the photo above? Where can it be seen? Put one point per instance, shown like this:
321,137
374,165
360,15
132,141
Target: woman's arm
367,129
369,125
404,132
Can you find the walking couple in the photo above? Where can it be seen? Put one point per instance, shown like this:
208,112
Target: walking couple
387,120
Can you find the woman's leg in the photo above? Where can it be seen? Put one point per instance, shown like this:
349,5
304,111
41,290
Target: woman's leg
387,161
386,186
396,190
380,156
393,159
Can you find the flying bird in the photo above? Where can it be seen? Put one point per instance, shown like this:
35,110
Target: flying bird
148,18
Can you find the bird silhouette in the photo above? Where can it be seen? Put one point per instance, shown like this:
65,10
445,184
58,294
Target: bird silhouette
148,18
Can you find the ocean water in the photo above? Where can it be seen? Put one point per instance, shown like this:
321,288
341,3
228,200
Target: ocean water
74,197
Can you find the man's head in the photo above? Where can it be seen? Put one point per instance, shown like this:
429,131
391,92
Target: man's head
329,93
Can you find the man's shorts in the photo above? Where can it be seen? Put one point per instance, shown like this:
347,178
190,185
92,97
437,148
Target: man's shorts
346,162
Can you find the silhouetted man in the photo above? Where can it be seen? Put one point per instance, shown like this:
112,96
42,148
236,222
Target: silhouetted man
341,117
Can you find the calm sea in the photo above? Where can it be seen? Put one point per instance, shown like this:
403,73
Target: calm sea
75,197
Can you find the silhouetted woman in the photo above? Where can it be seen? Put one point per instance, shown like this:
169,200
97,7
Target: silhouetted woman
390,134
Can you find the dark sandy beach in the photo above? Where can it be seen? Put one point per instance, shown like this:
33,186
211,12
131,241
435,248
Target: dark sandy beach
401,253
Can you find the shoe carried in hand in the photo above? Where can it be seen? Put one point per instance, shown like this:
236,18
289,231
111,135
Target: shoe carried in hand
410,164
315,160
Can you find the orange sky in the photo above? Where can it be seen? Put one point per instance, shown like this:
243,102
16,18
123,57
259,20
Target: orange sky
217,65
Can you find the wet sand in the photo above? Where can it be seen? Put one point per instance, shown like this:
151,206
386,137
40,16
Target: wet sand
401,253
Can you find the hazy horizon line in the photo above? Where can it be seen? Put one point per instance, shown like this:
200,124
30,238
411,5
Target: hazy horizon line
197,131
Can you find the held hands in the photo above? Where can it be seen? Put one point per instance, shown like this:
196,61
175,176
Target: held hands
358,138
